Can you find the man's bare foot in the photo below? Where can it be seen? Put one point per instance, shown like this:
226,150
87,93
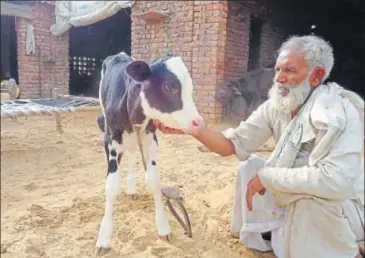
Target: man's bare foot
361,248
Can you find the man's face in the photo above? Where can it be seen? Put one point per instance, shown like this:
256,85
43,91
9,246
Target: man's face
292,82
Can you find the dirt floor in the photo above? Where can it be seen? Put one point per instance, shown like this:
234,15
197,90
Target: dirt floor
52,195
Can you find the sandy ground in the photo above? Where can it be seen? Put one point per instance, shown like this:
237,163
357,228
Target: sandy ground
52,195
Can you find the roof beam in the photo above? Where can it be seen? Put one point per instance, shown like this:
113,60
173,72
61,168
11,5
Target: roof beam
22,11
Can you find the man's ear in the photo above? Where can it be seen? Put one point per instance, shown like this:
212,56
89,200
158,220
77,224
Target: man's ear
138,71
317,76
320,73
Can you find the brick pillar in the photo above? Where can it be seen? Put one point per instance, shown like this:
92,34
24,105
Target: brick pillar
36,76
210,21
196,30
237,41
150,40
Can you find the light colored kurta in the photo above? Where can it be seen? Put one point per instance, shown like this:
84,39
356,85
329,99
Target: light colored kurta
315,167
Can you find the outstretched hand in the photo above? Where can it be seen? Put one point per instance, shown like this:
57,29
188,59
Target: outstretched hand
197,128
166,130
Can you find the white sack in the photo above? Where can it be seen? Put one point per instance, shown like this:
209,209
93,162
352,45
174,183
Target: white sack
83,13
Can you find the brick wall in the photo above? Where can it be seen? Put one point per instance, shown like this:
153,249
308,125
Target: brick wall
237,39
195,30
37,77
210,21
212,37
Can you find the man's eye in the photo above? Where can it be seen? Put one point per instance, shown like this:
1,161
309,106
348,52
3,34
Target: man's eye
289,70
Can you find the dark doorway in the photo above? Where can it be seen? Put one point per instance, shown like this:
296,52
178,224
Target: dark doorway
339,22
90,45
254,43
9,56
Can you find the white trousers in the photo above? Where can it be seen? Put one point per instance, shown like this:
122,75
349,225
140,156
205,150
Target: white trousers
265,216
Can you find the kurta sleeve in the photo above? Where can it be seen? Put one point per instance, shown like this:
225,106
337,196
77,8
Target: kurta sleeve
335,161
252,133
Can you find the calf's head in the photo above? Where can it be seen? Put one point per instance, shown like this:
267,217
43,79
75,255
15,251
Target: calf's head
166,93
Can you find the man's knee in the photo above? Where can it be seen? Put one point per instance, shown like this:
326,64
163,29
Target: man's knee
248,168
354,213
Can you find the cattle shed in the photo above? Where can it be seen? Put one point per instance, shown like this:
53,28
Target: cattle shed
219,41
90,45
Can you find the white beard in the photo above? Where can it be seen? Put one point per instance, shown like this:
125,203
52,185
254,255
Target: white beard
295,97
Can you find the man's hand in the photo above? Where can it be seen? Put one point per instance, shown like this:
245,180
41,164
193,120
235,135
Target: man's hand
196,129
166,130
254,186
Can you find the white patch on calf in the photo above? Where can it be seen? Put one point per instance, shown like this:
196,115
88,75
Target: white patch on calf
100,98
112,191
153,182
180,119
131,178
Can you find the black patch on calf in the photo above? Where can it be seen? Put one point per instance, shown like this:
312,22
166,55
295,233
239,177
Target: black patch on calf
113,153
114,88
155,92
155,138
112,166
134,108
106,146
117,135
138,70
150,128
101,122
153,163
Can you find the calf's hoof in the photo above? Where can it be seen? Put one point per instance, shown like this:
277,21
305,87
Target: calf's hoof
100,251
165,238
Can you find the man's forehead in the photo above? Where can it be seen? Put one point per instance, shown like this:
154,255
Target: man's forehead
291,58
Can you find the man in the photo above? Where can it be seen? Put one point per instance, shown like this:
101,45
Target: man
309,194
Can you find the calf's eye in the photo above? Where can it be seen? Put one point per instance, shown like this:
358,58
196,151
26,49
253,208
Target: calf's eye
171,87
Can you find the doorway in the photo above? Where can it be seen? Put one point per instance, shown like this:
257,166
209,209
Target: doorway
9,56
90,45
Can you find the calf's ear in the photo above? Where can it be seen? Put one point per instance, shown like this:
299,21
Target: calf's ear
138,71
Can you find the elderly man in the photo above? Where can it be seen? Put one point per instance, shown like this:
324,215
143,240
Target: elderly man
307,199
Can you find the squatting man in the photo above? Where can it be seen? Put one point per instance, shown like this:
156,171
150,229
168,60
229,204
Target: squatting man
307,198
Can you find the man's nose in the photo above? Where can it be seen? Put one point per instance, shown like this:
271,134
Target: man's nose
281,79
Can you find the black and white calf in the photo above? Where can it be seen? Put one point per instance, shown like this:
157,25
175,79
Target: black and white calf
132,94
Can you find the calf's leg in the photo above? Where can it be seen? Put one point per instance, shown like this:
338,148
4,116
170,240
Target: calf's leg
153,181
131,178
113,150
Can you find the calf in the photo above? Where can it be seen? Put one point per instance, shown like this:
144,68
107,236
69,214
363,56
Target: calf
132,94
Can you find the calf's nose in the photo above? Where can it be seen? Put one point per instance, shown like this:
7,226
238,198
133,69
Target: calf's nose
197,121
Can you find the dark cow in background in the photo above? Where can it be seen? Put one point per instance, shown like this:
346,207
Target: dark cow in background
242,97
132,94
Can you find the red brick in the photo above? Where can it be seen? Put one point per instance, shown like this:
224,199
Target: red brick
212,36
28,66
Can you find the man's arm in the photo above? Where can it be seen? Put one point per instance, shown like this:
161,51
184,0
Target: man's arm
242,140
335,159
216,142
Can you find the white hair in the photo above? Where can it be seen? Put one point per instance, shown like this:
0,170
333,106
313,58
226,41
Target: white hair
294,98
317,52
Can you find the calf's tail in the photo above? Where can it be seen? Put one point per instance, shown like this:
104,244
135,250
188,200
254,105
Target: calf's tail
101,122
